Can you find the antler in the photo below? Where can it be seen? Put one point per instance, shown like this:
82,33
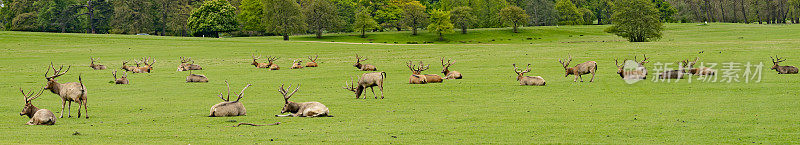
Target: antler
423,67
644,60
58,72
314,59
30,97
448,64
114,73
242,93
567,62
285,96
349,85
229,91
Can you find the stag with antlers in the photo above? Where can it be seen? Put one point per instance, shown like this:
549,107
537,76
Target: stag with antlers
364,67
69,92
38,116
702,71
185,65
297,64
528,80
122,80
258,64
446,71
631,69
301,109
228,108
271,63
580,69
367,80
782,69
96,66
416,76
148,65
312,61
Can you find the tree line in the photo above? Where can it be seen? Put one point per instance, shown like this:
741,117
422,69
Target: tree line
287,17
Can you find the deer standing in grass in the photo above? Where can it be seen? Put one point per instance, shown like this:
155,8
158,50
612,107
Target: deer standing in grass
271,63
297,64
96,66
185,65
702,71
580,69
782,69
258,64
416,76
196,78
528,80
312,61
228,108
364,67
38,116
446,71
121,80
638,72
367,80
303,109
69,92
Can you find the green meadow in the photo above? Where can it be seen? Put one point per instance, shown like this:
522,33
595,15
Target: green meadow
487,106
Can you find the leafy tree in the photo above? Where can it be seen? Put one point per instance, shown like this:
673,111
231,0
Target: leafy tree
172,16
666,11
250,15
602,10
24,22
794,6
132,17
414,16
568,13
285,17
462,18
57,15
389,14
212,17
514,16
440,23
364,22
321,16
542,12
13,9
346,9
636,20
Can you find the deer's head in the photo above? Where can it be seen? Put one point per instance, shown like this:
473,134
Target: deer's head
29,109
520,72
565,64
287,107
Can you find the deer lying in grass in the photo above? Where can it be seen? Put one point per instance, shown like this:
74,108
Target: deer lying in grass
38,116
147,68
228,108
257,64
636,72
782,69
271,63
446,71
416,77
364,67
689,65
641,64
580,69
528,80
69,92
121,80
313,61
304,109
96,66
673,74
367,80
431,78
297,64
185,65
196,78
128,68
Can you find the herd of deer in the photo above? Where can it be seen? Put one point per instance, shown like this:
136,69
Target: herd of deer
76,91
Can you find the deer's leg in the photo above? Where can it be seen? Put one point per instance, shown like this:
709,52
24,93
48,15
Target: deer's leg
592,80
287,115
80,104
373,92
86,109
63,104
381,88
69,109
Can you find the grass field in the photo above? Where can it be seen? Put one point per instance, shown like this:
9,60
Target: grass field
486,107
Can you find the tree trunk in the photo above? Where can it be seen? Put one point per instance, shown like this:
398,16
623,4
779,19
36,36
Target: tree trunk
441,37
285,37
363,33
463,30
744,11
413,30
515,27
319,33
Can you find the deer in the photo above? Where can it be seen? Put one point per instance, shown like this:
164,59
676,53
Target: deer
96,66
258,64
185,65
430,78
696,71
147,68
228,108
37,116
122,80
416,77
302,109
528,80
69,92
641,64
312,61
364,67
366,80
271,63
196,78
580,69
638,72
128,68
674,74
446,71
782,69
297,64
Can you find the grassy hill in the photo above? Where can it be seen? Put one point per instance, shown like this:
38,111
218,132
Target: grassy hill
487,106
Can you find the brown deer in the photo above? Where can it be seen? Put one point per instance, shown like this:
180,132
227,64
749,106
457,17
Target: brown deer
148,65
196,78
689,65
313,61
364,67
122,80
528,80
128,68
297,64
271,63
367,80
303,109
185,65
38,116
782,69
638,72
431,78
641,64
446,71
96,66
580,69
69,92
258,64
674,74
416,76
228,108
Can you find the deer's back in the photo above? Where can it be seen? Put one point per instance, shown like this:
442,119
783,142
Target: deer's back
313,109
787,69
532,80
371,79
43,117
224,109
433,78
586,67
72,91
369,67
453,75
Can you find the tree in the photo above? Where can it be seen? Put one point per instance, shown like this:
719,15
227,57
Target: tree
132,17
542,12
364,22
568,13
250,15
172,16
321,16
666,11
284,17
636,20
602,10
212,17
462,18
414,16
514,16
57,15
440,23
